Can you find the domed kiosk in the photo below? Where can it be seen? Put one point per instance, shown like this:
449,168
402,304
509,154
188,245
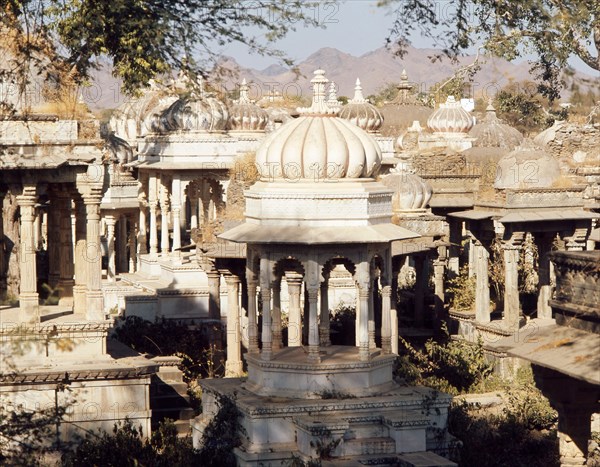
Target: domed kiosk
318,205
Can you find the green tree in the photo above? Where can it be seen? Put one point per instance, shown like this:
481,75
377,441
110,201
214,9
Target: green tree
550,30
145,38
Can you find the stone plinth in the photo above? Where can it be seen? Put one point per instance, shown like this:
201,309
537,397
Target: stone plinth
289,373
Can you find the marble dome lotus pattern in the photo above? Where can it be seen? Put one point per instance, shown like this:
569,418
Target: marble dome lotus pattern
319,145
450,117
246,115
493,133
362,113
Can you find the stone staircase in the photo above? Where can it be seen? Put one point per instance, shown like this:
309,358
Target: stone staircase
168,396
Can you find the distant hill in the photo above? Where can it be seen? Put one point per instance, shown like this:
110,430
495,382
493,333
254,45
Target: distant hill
375,69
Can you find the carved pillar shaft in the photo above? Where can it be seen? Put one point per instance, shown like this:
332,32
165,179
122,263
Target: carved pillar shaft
420,286
276,313
65,281
214,295
121,243
371,323
94,298
386,319
363,316
324,318
482,286
28,296
111,269
176,210
511,286
544,278
233,364
265,291
153,229
132,246
294,282
439,267
313,325
53,244
394,313
252,322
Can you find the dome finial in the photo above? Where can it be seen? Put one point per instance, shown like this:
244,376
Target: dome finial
332,101
319,101
358,94
403,76
244,99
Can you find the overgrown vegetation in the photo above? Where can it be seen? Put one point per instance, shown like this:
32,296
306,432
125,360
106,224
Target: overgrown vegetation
461,290
450,365
200,356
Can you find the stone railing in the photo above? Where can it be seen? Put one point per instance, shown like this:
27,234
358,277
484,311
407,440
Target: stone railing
577,295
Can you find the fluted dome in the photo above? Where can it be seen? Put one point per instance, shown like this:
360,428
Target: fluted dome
318,145
362,113
200,111
155,120
411,192
245,115
492,133
121,151
527,166
450,118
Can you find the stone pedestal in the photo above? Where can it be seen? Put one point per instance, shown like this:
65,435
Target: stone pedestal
294,283
233,364
28,296
93,258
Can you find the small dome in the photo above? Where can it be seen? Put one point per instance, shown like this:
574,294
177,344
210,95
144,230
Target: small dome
200,111
492,133
156,120
527,166
360,112
318,145
450,118
245,115
411,192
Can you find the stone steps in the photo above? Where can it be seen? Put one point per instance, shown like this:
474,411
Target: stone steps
362,446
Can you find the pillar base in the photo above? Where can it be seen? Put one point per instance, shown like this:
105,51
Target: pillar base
79,299
94,305
233,369
65,293
29,306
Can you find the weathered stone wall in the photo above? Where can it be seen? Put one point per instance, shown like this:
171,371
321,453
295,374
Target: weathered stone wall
576,142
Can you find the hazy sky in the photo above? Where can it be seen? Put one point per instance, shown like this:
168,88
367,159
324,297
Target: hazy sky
352,26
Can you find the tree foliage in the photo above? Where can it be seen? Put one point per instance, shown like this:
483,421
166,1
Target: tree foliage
550,30
145,39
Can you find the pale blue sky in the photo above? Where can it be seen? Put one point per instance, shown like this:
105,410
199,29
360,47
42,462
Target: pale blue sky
352,26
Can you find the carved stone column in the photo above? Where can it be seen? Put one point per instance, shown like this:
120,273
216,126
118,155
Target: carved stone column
324,338
420,286
294,282
65,281
394,312
511,248
482,284
439,267
455,237
111,269
313,324
132,243
386,319
153,230
142,248
371,323
122,244
28,296
53,241
164,218
276,314
233,364
93,257
176,212
80,287
252,322
545,283
363,316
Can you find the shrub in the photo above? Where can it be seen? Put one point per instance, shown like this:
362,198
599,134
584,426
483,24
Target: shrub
461,290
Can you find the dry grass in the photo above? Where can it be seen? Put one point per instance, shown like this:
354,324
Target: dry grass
563,182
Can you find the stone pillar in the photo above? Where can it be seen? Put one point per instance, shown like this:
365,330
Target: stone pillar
194,210
371,323
141,240
132,246
176,211
233,364
153,230
265,291
363,317
65,281
420,286
545,286
276,314
80,288
439,266
455,244
93,258
214,294
386,319
164,219
574,431
394,312
294,282
313,325
111,269
357,318
28,296
482,285
324,338
511,249
576,239
252,323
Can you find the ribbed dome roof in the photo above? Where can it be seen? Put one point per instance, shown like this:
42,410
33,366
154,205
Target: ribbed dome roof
411,192
492,133
450,118
318,144
527,166
360,112
245,115
200,111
